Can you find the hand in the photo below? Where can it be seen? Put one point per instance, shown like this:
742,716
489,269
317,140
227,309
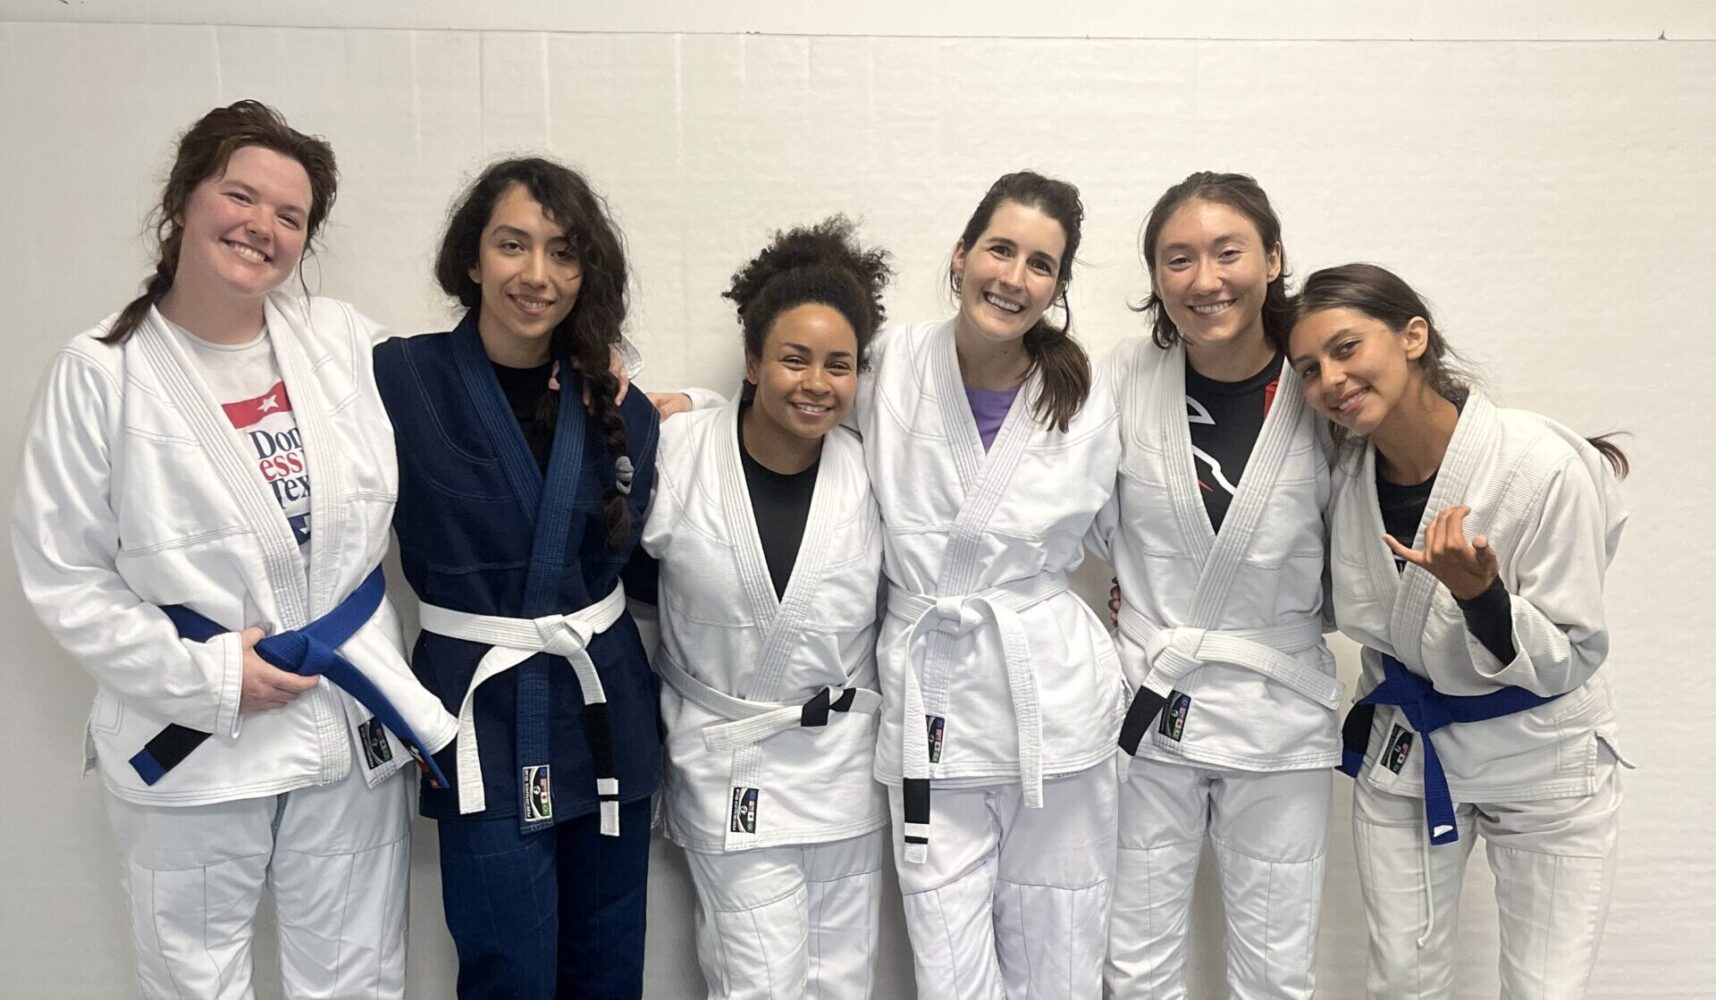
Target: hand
1114,605
669,403
1467,570
266,687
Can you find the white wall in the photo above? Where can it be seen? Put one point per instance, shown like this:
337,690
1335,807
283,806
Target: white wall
1544,174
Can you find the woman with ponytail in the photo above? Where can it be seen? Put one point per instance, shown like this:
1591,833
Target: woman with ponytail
770,553
1216,536
991,449
1468,546
207,481
523,483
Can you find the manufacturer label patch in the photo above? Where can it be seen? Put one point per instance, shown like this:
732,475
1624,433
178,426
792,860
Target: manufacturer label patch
1399,748
1174,712
538,794
376,750
744,817
937,727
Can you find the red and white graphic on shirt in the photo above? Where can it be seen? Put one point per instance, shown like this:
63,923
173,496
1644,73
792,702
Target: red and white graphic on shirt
267,423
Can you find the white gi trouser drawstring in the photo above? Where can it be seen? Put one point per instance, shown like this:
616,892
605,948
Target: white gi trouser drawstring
956,616
1429,887
751,722
514,640
1175,651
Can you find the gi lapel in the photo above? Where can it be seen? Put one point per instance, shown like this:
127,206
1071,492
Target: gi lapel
983,479
1169,398
175,372
311,408
1416,588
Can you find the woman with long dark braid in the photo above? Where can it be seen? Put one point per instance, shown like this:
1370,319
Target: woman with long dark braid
522,493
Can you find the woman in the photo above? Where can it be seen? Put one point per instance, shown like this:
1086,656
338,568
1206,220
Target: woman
768,542
518,510
210,466
1216,536
1468,547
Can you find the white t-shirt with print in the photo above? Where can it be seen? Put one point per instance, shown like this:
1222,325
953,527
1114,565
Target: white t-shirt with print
245,379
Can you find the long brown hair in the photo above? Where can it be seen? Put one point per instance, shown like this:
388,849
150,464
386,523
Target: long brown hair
204,150
588,333
1051,349
1383,296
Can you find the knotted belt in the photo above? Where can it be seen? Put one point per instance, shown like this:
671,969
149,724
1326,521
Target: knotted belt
956,616
751,722
1428,710
309,651
515,640
1175,651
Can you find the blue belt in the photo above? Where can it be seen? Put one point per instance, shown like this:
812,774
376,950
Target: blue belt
307,652
1428,710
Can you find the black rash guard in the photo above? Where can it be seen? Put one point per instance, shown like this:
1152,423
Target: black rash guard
1225,419
781,505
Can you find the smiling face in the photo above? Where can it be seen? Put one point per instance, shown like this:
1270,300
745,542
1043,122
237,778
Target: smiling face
807,375
1212,271
243,229
529,274
1010,274
1355,369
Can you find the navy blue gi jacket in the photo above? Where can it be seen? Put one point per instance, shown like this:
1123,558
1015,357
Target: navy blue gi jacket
482,530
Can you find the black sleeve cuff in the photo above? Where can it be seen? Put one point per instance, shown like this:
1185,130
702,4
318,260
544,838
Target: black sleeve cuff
1489,617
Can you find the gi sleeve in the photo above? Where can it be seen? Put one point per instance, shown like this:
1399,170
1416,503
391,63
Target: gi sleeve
65,536
1554,578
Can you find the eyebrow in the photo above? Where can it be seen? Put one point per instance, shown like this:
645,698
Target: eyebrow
806,348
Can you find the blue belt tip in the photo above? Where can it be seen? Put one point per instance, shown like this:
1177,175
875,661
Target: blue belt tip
147,767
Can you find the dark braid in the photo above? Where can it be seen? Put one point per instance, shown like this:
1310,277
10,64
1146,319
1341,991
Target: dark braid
585,338
203,153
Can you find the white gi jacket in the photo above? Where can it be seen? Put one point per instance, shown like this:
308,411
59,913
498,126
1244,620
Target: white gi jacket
136,492
1549,505
1228,626
738,663
992,669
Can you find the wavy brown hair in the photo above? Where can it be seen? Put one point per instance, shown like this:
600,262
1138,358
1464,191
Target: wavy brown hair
584,339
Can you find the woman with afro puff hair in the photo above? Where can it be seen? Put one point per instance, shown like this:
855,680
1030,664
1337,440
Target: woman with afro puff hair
769,547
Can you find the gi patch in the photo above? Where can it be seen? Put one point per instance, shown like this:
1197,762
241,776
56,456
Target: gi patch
376,750
744,816
538,794
1398,749
937,727
1174,712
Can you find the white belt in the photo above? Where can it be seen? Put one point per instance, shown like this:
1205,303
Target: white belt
751,722
514,640
1174,651
957,616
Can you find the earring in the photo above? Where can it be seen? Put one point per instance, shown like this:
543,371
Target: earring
956,283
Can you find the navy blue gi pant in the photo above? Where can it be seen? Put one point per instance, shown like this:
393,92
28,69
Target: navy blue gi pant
558,913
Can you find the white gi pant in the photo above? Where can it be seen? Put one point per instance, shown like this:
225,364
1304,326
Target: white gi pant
1012,903
1554,865
797,922
337,858
1270,832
